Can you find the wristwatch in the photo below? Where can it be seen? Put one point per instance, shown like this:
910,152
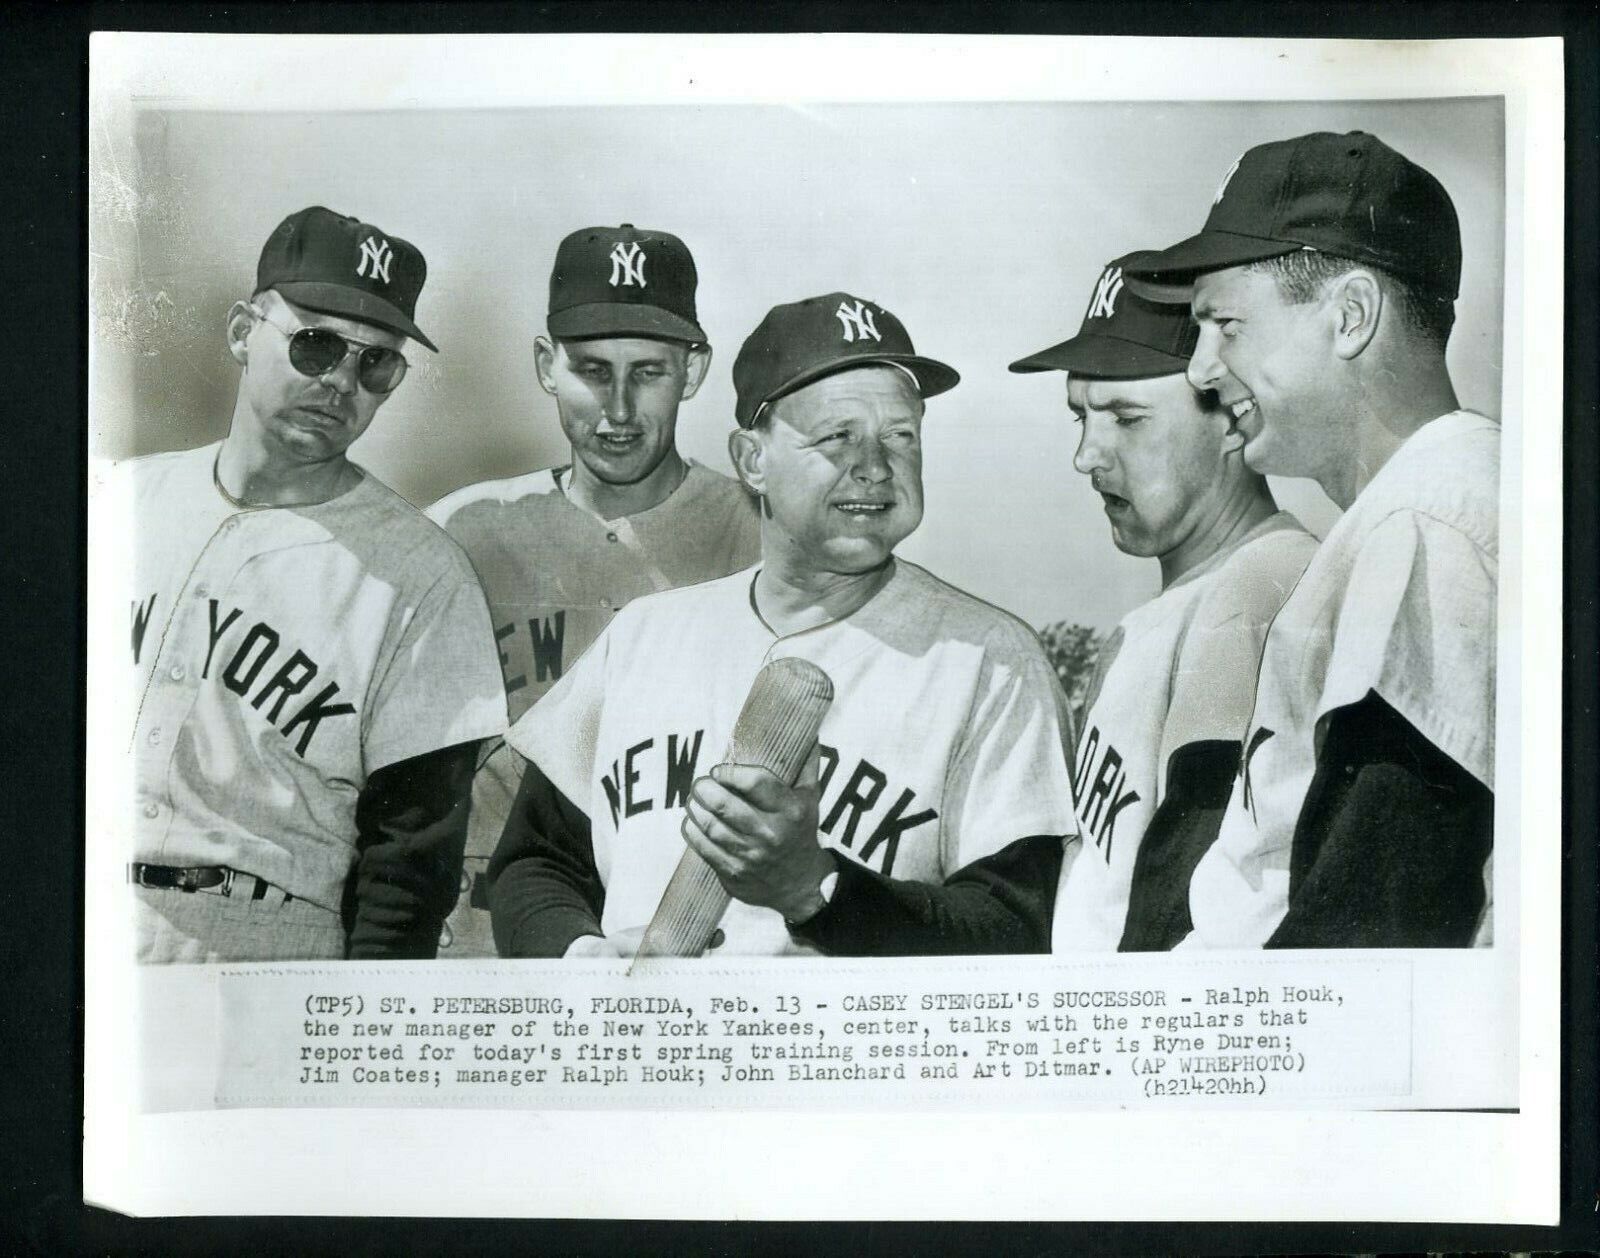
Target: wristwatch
824,898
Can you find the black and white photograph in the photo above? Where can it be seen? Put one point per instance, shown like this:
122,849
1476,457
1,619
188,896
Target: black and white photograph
927,592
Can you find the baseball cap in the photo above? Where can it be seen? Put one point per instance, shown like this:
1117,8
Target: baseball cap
338,265
1124,335
623,281
1350,195
806,340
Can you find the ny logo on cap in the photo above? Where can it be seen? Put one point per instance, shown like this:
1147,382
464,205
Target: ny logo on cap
1104,304
376,252
627,265
1223,186
857,322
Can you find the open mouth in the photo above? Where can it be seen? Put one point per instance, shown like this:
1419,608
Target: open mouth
618,441
863,510
1241,408
1114,502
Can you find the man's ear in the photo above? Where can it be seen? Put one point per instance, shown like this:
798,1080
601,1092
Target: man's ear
544,359
748,452
695,366
241,322
1358,306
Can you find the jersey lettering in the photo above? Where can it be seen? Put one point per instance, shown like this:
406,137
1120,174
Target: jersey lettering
314,713
520,680
857,800
680,769
141,621
1097,814
547,637
1260,736
248,661
631,784
288,681
631,775
894,824
547,645
234,677
216,632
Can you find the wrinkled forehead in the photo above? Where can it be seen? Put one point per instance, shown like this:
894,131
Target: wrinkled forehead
881,391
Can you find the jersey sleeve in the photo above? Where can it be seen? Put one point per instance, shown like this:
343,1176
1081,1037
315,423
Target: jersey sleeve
1008,778
561,730
1417,626
441,686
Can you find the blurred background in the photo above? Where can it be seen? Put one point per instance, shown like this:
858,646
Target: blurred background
983,226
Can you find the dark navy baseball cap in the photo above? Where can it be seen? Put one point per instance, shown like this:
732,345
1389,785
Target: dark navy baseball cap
1348,195
624,281
1125,336
338,265
806,340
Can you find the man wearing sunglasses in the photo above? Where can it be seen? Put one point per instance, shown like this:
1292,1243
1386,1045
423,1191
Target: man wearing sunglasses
561,551
313,659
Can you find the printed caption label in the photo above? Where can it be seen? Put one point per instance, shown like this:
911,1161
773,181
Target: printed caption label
559,1035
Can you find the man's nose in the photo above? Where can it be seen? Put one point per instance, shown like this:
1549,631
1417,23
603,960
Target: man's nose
341,377
619,403
1091,453
1205,370
872,462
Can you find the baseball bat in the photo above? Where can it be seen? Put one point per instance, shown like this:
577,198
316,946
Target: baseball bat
776,730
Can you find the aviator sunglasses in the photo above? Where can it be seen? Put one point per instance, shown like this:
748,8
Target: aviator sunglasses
317,351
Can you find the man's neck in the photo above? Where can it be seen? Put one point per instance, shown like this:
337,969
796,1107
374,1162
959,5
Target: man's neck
1385,414
790,601
1240,514
249,474
611,502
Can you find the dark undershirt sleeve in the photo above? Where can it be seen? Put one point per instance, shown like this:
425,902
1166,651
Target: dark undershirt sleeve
1000,904
411,831
1391,841
1199,780
544,889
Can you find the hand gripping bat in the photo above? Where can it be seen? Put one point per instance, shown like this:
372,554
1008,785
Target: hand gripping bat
776,730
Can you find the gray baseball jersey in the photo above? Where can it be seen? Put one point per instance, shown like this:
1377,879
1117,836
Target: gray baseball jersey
1400,600
944,744
282,655
555,575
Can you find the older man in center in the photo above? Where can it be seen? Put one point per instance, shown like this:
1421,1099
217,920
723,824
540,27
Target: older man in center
929,819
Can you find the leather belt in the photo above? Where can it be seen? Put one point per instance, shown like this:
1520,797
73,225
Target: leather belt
216,879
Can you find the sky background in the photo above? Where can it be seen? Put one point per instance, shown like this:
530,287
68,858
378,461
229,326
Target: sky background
983,226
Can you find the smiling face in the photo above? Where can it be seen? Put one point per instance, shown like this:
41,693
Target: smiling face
1268,360
839,465
297,419
618,400
1157,458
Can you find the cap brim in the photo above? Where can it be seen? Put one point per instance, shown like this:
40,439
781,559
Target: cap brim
933,377
615,318
1107,356
352,303
1207,251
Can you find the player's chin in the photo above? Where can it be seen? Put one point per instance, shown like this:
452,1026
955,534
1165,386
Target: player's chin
1264,456
619,463
859,553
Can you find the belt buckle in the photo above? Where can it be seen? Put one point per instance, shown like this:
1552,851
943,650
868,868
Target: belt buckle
189,880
